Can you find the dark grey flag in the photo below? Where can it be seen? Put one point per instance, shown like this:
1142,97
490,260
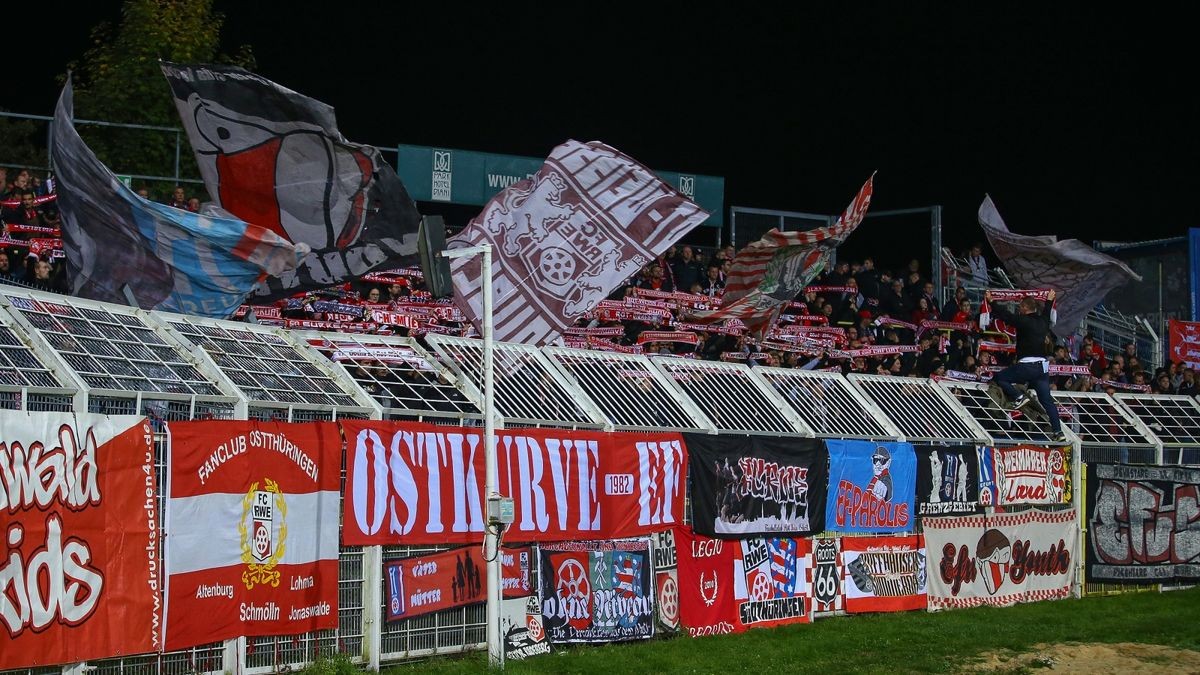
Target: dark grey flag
1081,275
119,244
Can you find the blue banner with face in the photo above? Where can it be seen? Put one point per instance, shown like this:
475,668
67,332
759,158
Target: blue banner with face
872,487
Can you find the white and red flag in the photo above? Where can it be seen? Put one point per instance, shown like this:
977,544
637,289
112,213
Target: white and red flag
252,530
564,240
768,275
79,519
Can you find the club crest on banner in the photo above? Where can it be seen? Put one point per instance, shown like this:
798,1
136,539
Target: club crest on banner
708,589
574,590
263,512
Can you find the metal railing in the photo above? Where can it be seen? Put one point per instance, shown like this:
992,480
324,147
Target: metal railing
67,354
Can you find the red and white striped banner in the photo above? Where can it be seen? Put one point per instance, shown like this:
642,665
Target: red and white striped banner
251,548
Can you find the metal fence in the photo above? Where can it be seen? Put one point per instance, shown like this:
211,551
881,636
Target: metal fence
66,354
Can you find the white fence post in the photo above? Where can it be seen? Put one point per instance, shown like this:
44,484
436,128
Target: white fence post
372,616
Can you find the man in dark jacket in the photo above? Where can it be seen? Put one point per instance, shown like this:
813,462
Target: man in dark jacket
1030,367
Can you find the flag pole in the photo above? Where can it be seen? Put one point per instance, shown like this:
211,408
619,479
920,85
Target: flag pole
493,529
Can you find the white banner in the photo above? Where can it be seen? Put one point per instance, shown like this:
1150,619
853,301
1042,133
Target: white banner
1000,560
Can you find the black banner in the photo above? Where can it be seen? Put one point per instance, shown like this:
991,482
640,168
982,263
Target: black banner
1142,524
947,480
597,591
750,486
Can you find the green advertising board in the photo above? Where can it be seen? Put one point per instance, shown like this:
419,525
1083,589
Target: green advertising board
466,177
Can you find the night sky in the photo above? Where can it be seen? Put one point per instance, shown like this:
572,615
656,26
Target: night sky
1078,124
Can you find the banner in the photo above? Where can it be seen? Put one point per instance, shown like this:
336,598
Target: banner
79,579
872,486
756,485
884,574
596,591
769,273
1142,524
730,586
947,480
564,239
252,529
1081,275
456,578
666,579
1024,474
120,245
522,628
412,483
1001,560
826,572
1185,342
276,158
469,177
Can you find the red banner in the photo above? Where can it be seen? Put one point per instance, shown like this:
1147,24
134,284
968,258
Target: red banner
411,483
457,578
1185,342
80,578
252,523
884,574
730,586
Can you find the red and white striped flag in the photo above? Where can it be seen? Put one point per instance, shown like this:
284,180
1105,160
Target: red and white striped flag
252,530
768,275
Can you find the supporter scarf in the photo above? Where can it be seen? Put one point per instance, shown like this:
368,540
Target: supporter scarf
1013,295
668,336
890,350
610,331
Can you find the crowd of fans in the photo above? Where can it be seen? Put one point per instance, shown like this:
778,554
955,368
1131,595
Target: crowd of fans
30,238
854,318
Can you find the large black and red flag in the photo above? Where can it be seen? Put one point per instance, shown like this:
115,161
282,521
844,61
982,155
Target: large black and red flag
275,158
771,272
566,238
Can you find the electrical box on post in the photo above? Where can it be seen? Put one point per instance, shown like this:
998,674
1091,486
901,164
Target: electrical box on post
500,510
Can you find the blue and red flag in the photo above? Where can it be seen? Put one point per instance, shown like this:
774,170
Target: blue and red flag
121,246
